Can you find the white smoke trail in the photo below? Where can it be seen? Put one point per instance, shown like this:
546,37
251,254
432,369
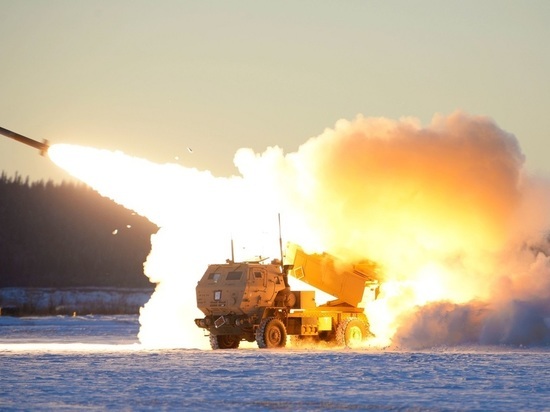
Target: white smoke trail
197,215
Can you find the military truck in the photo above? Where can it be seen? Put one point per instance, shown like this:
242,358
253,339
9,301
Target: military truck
253,301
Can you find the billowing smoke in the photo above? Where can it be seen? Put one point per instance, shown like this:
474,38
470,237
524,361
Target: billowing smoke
456,225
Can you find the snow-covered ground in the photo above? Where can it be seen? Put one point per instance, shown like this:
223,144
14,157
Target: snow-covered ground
97,363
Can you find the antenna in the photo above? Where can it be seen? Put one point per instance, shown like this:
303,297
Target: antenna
232,251
280,240
283,269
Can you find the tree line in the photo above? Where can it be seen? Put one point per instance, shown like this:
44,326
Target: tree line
67,235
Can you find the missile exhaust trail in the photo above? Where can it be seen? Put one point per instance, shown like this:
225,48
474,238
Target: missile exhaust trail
42,147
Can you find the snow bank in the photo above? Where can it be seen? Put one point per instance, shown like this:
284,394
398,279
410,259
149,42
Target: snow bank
48,301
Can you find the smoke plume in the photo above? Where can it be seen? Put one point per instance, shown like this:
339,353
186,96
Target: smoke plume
456,225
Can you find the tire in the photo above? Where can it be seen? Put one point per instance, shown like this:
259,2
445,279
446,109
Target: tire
351,333
224,341
271,334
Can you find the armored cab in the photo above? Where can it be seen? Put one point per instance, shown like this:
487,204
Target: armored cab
234,296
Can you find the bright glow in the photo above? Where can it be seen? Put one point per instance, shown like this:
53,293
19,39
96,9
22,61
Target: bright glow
197,214
429,284
441,209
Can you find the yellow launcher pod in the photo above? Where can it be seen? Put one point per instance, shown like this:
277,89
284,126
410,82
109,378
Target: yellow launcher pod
325,272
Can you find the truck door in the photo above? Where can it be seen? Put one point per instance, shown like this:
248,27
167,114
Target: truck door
263,285
257,278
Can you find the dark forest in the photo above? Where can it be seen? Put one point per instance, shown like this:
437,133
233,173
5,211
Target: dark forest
67,235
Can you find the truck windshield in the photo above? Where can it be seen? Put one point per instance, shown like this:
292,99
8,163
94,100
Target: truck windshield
214,276
234,275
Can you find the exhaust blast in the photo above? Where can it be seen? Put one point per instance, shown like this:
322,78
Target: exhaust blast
446,210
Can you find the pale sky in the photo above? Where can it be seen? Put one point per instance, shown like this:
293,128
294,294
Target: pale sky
153,78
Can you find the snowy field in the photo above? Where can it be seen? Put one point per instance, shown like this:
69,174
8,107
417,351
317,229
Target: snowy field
96,363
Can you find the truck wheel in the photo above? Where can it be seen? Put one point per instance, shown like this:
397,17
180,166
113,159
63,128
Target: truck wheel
224,341
271,334
351,333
